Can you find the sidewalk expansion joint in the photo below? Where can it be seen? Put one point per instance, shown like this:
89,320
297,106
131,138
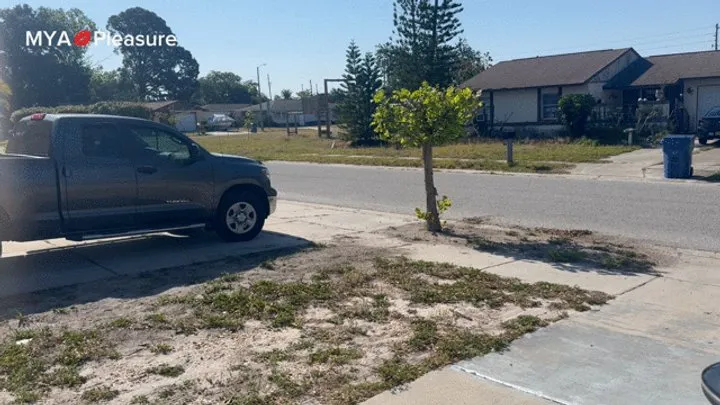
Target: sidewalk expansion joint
643,284
510,385
109,270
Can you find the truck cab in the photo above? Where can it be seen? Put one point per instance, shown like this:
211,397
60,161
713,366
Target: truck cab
84,176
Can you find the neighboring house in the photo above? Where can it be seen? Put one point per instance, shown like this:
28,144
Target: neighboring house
525,92
690,80
168,106
281,112
231,110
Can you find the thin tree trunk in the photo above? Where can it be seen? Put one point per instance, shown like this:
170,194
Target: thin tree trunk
433,219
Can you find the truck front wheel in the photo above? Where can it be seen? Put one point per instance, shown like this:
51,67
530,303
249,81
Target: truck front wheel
240,216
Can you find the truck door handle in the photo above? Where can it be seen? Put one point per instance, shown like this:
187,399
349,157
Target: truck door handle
147,169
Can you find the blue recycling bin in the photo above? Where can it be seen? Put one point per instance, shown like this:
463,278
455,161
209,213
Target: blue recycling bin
677,156
253,128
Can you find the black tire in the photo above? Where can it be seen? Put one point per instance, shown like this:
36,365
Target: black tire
703,141
252,207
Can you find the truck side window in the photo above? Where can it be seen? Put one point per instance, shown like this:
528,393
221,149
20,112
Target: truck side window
31,138
161,143
104,141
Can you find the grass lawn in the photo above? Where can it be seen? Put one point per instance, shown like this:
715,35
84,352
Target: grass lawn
541,157
329,325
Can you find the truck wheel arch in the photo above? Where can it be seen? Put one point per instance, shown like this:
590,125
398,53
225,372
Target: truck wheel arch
246,187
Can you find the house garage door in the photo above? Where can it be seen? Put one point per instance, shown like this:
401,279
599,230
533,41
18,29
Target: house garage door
708,97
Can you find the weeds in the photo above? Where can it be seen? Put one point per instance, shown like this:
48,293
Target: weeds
99,394
161,348
166,370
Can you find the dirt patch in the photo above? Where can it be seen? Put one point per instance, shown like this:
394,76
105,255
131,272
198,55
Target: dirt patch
332,325
575,250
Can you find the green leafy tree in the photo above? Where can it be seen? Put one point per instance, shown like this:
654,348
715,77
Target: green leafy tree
468,62
227,88
44,74
286,94
304,93
426,117
106,86
153,72
362,80
575,109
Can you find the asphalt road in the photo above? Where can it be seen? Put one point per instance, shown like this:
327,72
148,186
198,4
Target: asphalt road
675,214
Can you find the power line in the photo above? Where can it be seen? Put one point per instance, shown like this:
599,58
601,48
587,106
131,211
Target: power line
657,39
677,45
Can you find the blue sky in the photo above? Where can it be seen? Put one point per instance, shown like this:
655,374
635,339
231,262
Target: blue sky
303,40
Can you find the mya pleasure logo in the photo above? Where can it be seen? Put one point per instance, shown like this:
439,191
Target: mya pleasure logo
85,37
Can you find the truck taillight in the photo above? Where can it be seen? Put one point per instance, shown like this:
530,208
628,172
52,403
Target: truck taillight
37,117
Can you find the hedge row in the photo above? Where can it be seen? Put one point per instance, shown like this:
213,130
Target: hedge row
104,107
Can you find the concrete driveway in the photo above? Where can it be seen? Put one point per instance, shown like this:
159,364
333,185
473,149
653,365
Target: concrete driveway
34,266
42,265
648,164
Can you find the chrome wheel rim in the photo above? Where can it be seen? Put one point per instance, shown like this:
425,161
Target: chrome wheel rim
240,218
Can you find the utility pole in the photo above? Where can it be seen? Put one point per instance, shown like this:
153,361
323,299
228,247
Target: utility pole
717,28
269,87
326,105
262,119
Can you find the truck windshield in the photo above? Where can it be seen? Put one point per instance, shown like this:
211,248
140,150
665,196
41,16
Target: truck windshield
31,138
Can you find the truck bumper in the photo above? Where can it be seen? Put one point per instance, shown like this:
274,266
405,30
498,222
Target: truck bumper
272,204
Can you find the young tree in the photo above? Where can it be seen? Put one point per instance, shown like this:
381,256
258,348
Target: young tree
362,80
426,117
286,94
153,72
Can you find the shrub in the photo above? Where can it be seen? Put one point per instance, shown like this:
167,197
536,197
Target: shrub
575,109
126,109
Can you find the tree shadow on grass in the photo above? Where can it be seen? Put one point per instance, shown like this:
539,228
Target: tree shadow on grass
572,251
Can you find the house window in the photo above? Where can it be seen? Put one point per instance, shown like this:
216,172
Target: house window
550,106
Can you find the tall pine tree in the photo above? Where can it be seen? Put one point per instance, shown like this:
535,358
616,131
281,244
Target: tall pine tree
362,80
424,47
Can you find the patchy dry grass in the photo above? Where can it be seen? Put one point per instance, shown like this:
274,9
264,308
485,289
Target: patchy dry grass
530,157
329,326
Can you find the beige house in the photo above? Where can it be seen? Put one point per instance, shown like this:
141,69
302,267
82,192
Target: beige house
525,92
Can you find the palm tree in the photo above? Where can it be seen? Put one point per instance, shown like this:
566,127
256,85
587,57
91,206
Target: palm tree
286,94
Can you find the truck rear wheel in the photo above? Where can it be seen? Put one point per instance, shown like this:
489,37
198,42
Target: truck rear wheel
240,216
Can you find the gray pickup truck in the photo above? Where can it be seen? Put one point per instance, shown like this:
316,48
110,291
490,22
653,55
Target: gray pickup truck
83,176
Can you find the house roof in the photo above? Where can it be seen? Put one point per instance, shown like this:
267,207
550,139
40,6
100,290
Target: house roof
541,71
224,107
668,69
157,105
